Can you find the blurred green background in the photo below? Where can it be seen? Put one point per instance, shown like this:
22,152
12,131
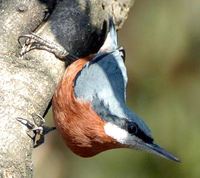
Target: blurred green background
162,42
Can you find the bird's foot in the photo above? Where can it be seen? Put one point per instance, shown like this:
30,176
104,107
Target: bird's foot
33,41
37,129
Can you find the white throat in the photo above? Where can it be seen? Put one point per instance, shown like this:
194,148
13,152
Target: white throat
119,134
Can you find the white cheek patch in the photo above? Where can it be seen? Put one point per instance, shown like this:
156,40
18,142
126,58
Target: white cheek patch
119,134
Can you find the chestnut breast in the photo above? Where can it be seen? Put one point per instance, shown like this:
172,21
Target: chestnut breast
79,125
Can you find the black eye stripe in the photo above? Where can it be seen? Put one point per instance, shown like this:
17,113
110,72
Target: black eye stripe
133,129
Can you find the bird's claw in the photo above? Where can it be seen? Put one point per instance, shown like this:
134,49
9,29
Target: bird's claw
37,129
30,43
33,41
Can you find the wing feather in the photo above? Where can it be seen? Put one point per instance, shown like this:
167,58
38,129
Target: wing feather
105,78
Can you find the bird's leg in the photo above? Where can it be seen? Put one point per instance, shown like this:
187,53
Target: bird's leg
33,41
37,129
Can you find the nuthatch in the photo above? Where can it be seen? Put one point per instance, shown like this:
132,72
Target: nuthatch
89,105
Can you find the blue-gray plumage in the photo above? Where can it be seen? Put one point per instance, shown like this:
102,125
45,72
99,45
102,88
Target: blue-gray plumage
102,82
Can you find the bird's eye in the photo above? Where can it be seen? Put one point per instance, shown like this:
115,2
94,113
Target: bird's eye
132,128
135,130
123,54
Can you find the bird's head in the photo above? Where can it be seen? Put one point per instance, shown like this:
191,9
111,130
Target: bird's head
133,133
127,129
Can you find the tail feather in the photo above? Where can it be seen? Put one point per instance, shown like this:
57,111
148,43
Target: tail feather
110,44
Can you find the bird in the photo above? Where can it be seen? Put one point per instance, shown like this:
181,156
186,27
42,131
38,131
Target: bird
89,105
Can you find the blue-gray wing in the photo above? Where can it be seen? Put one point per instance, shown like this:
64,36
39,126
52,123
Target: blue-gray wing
103,82
103,79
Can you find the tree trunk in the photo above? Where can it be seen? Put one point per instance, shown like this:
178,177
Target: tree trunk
27,84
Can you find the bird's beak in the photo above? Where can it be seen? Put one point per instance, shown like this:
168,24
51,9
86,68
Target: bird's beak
156,149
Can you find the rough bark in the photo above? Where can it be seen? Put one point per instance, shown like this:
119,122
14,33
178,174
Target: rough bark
27,84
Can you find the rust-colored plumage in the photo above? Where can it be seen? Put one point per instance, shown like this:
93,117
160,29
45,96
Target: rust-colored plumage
99,87
77,122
